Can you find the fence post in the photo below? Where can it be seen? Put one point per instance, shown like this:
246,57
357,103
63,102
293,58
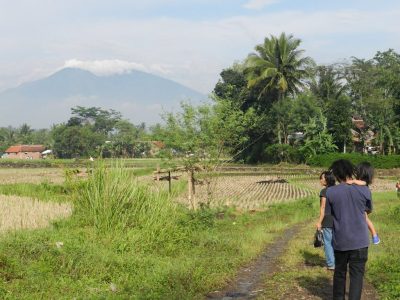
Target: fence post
158,173
169,182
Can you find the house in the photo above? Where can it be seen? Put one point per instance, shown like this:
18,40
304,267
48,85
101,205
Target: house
25,151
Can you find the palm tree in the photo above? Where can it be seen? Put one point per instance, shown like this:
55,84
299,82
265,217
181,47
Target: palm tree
278,66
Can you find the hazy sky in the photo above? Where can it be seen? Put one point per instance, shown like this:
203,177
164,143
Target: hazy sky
189,41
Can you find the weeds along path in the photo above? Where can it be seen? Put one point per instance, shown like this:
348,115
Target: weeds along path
250,279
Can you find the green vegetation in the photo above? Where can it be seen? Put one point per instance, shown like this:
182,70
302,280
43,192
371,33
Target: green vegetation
377,161
43,191
302,268
383,265
126,241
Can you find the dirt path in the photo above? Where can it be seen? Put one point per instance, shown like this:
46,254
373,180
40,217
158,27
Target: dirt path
269,277
249,280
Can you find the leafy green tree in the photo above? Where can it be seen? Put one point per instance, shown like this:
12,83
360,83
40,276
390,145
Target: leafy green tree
233,85
101,120
305,106
328,84
317,138
339,113
76,141
127,140
8,137
281,119
25,134
200,136
381,117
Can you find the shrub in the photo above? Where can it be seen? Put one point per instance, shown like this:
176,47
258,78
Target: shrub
112,199
277,153
377,161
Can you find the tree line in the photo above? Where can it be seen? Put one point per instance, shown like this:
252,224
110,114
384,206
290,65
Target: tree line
276,104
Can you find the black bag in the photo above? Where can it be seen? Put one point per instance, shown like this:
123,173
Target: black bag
318,239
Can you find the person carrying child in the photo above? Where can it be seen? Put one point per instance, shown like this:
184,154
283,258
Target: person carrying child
325,221
347,204
364,174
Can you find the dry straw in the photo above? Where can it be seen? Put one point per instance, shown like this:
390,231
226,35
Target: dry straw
21,212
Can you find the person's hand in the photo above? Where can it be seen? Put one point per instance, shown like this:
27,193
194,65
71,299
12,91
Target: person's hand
350,181
318,225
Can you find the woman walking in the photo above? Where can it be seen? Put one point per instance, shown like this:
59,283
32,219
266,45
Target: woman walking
325,221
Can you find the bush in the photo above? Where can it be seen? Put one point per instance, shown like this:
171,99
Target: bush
277,153
112,199
377,161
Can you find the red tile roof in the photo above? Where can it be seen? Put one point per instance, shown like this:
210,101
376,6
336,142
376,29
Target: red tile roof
26,148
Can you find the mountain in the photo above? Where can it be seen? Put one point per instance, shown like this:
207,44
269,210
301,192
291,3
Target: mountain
139,96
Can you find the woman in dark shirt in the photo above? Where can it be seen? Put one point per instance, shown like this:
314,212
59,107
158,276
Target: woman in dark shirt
325,221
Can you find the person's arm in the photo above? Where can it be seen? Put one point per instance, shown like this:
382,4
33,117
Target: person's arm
356,182
322,205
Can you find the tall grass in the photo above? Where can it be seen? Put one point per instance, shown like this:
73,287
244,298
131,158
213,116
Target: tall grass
112,200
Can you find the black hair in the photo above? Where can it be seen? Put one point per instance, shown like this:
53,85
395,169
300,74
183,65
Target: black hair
365,172
342,169
329,178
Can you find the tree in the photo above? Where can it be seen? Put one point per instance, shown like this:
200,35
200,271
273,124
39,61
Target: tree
305,106
317,139
76,141
281,118
200,136
101,120
25,134
328,84
127,140
278,67
339,113
85,133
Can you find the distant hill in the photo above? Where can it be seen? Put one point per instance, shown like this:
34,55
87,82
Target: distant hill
139,96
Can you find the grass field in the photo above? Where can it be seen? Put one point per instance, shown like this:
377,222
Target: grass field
126,239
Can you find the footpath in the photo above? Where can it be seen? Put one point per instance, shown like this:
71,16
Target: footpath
289,268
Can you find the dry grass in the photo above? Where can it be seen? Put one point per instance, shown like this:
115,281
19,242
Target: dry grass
21,212
9,176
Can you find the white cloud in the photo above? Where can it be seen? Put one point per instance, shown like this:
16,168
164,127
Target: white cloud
190,51
259,4
105,67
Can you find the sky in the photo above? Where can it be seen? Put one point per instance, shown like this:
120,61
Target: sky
189,41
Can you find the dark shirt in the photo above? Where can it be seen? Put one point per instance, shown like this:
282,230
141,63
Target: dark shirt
348,204
327,221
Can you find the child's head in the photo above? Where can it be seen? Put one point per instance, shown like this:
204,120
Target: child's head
365,172
327,179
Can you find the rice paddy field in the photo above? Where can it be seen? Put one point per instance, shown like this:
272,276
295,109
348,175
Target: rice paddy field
26,213
116,232
243,187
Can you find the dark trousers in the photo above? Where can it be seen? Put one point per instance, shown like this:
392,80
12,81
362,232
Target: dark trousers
356,260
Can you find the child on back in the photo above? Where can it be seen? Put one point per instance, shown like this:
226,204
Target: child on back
364,176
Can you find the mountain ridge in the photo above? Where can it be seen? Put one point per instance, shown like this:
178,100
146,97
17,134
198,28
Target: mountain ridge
138,95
